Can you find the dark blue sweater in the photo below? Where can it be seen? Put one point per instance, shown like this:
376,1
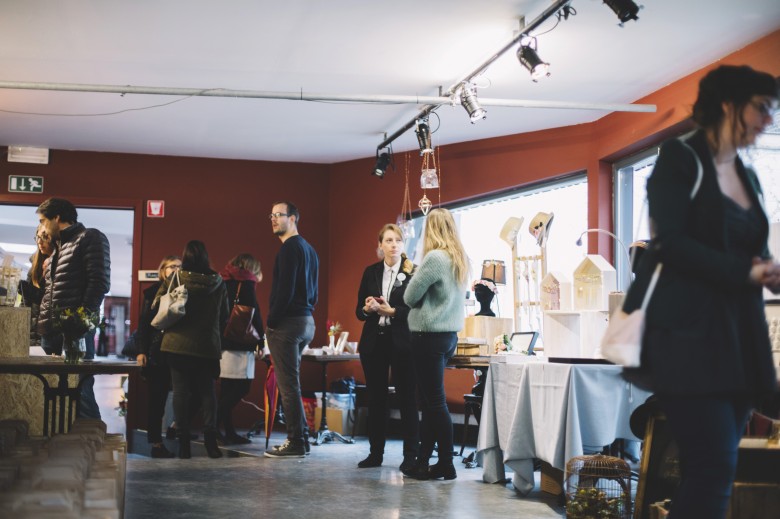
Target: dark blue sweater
296,273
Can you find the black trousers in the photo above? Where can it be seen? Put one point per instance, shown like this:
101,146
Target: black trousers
231,391
381,363
193,377
158,380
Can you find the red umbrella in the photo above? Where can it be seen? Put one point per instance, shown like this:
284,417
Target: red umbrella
271,400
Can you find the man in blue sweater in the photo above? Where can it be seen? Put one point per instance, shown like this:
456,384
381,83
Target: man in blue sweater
290,322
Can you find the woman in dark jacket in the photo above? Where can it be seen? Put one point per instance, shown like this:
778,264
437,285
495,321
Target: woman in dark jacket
155,369
237,367
193,345
706,346
385,347
33,288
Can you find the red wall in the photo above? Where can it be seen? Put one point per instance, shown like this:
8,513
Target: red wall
479,167
225,202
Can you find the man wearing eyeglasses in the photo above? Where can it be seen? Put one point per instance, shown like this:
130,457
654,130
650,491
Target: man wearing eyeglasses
290,322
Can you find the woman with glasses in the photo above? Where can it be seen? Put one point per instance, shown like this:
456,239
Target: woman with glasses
155,369
33,288
706,347
435,297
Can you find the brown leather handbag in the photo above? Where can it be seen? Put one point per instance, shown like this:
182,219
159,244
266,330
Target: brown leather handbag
239,328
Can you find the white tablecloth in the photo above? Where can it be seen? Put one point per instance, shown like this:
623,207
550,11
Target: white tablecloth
550,411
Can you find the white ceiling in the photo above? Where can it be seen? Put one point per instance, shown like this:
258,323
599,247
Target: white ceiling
353,47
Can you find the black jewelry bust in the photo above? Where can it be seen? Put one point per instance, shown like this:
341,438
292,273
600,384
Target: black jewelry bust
484,296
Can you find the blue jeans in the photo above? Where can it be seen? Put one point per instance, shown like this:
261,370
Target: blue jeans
286,343
707,431
431,352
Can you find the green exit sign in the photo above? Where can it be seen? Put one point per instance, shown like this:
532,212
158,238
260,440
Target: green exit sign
23,184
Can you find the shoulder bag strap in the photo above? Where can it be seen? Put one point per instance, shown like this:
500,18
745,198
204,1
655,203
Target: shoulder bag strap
651,286
170,285
235,301
699,170
694,191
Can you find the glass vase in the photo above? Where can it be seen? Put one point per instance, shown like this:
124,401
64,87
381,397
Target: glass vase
73,348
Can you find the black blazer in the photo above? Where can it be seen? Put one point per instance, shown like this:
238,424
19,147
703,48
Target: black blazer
692,344
371,285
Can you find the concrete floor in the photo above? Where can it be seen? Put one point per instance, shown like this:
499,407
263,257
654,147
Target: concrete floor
324,485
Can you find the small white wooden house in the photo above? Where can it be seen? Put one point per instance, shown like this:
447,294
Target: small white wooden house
556,292
594,279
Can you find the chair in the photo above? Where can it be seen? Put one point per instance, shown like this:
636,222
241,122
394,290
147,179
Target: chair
473,406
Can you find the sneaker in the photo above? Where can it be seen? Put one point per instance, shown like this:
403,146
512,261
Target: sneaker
286,450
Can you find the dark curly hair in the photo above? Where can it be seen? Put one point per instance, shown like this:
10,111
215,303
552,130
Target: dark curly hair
730,84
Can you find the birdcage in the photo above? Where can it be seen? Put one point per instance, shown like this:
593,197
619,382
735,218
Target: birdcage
598,486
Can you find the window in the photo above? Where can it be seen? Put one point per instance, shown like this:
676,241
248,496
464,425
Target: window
480,223
631,220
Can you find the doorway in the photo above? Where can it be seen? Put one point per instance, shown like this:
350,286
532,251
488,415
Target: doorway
17,230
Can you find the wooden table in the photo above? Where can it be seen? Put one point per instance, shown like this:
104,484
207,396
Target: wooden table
324,434
57,399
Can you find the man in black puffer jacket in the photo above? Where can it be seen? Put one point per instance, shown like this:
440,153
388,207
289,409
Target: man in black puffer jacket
79,274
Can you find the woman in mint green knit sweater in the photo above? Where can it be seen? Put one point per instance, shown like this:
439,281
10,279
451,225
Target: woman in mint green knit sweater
435,296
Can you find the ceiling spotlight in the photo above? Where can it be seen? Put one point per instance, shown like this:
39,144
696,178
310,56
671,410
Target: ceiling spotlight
624,9
382,161
423,132
468,98
529,58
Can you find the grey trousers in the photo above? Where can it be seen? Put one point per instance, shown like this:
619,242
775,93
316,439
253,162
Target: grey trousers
286,343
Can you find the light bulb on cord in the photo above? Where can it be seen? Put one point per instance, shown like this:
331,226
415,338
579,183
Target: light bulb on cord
623,245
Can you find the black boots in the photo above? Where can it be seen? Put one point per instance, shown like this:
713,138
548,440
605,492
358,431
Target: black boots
210,442
373,460
442,470
185,452
445,470
159,451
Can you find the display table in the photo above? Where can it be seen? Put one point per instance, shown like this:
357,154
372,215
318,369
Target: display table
553,412
57,399
324,434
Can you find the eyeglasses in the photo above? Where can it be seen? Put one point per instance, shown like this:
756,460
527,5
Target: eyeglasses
276,215
42,239
765,108
173,267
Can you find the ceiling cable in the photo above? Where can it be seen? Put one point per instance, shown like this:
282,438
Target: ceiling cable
433,101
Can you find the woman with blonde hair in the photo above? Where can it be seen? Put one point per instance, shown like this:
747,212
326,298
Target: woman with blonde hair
385,347
237,366
155,369
435,296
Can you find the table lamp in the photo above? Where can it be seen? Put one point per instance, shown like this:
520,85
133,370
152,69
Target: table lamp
495,271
